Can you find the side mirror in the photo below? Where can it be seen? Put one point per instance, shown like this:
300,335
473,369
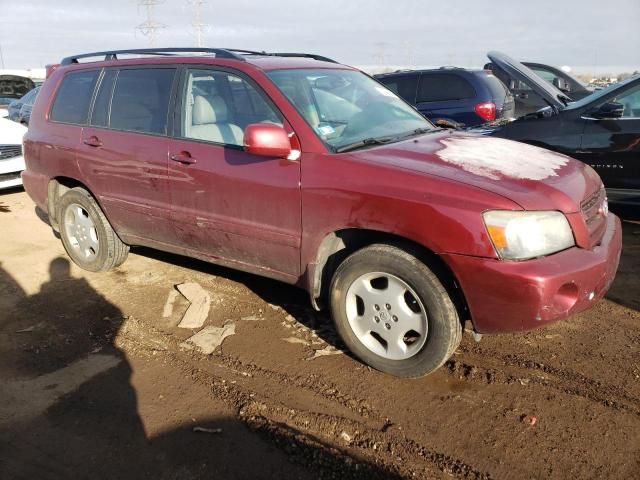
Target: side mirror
266,140
608,110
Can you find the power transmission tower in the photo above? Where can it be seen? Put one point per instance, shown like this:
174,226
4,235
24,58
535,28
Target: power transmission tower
408,50
199,28
379,56
150,27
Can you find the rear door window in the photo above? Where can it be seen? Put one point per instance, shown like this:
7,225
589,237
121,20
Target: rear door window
73,98
439,87
140,101
404,86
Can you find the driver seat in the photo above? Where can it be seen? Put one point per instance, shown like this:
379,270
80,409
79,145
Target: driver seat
209,121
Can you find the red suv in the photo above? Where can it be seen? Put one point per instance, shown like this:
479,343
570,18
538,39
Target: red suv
300,169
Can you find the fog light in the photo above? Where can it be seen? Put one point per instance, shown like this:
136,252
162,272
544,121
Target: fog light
565,298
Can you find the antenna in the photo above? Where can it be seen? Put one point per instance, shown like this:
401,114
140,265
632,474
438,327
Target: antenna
199,28
150,27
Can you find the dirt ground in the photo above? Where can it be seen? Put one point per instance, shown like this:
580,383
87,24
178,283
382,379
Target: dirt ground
95,384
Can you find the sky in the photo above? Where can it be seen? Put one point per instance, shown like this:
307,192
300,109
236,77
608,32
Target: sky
588,35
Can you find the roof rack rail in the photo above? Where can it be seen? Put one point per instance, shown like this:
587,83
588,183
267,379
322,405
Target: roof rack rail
284,54
113,54
304,55
229,53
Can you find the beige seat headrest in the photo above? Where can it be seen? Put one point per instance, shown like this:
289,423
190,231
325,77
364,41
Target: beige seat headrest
212,110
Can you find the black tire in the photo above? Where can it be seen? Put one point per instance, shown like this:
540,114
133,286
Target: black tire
444,327
112,252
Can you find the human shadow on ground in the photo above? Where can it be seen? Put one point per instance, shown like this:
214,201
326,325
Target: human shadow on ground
68,408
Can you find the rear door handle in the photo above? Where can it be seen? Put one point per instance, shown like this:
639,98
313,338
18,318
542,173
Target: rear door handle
183,157
92,141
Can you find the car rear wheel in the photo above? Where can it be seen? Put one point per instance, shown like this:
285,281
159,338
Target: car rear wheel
393,312
86,233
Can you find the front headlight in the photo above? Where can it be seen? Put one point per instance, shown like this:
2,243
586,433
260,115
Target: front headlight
520,235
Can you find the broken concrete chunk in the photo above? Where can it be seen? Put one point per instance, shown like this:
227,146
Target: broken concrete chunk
168,306
328,350
198,311
295,340
209,338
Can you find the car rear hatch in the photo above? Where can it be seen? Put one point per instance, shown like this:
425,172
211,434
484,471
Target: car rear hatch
518,71
13,87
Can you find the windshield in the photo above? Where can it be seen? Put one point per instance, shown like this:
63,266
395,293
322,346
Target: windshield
600,93
345,107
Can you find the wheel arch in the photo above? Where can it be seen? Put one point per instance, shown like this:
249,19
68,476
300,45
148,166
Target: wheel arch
57,187
338,245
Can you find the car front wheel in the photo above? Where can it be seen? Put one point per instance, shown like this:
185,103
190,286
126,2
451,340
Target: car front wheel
393,312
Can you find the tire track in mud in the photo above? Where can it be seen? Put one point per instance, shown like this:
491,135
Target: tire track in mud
339,447
563,381
312,383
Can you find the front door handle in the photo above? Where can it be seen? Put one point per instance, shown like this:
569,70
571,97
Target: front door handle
182,157
92,141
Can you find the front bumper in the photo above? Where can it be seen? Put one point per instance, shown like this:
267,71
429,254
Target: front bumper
10,169
507,296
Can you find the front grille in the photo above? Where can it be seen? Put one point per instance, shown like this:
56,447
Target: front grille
10,151
594,213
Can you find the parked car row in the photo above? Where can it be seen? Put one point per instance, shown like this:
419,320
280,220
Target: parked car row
298,168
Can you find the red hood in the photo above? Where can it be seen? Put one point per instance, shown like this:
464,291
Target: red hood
534,178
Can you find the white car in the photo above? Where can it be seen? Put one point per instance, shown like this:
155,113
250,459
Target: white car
11,159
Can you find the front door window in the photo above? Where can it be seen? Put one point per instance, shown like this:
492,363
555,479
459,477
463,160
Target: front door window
217,107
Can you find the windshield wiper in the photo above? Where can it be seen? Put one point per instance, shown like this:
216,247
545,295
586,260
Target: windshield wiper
362,143
421,131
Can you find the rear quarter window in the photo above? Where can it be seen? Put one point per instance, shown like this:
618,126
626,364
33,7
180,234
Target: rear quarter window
440,87
73,98
404,86
497,89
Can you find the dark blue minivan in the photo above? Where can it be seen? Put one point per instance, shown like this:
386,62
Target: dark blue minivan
468,97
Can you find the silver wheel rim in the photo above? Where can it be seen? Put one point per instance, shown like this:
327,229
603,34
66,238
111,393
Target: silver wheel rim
386,315
81,232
